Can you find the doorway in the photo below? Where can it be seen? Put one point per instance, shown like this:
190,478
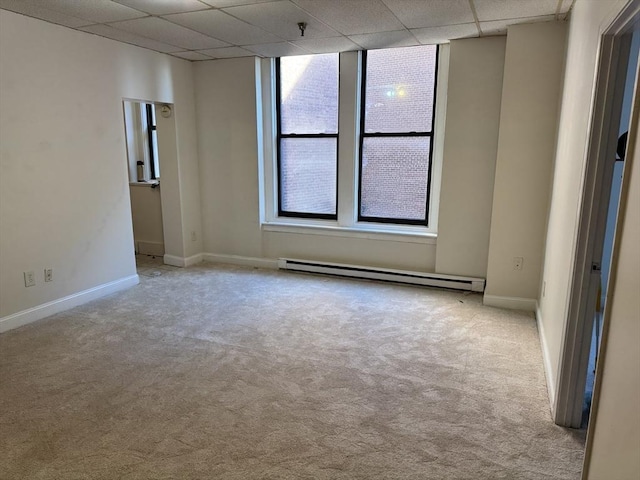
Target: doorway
585,296
143,161
611,197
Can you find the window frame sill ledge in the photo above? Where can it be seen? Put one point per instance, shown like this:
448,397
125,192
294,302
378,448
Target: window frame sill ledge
406,235
146,183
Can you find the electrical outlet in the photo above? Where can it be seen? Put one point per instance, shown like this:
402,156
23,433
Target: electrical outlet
48,274
29,279
517,263
193,236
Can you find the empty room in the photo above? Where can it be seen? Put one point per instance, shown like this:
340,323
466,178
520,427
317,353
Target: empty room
319,239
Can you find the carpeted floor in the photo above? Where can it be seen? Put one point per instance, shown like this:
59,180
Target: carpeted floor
216,372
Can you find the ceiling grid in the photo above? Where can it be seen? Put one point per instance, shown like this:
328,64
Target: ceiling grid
198,30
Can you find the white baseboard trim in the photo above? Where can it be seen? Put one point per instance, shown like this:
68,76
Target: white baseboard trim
546,361
30,315
150,248
240,260
183,261
512,303
193,260
173,260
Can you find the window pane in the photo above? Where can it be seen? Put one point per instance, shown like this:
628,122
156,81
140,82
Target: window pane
309,94
152,110
156,159
399,89
308,175
394,177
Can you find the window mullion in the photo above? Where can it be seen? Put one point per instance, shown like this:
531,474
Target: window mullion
348,125
309,135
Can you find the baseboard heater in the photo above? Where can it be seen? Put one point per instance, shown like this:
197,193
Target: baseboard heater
384,274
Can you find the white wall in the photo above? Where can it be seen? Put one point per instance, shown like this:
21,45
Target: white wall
63,171
228,150
183,122
476,69
146,213
568,172
414,256
614,430
528,124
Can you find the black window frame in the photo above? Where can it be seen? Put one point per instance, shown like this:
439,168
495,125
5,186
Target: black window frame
280,136
151,127
363,135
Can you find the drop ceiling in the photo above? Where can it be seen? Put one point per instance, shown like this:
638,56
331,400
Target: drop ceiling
208,29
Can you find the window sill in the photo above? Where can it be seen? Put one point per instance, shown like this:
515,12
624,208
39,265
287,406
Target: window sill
406,234
149,183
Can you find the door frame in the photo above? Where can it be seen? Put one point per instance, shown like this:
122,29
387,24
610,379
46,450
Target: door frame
601,148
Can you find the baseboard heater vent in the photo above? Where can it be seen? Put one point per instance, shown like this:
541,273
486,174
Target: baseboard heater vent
385,274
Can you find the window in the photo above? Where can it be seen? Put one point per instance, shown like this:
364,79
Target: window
398,107
356,145
307,135
141,141
152,140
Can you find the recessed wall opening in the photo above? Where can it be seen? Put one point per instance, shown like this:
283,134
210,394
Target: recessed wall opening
144,167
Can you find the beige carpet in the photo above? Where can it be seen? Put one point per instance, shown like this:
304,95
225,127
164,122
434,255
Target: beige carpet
230,373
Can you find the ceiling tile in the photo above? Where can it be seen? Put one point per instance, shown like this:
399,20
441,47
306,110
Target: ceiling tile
191,56
232,3
282,18
565,6
282,49
327,45
98,11
399,38
431,13
353,16
433,35
218,24
499,27
36,11
489,10
164,7
126,37
167,32
217,28
227,52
